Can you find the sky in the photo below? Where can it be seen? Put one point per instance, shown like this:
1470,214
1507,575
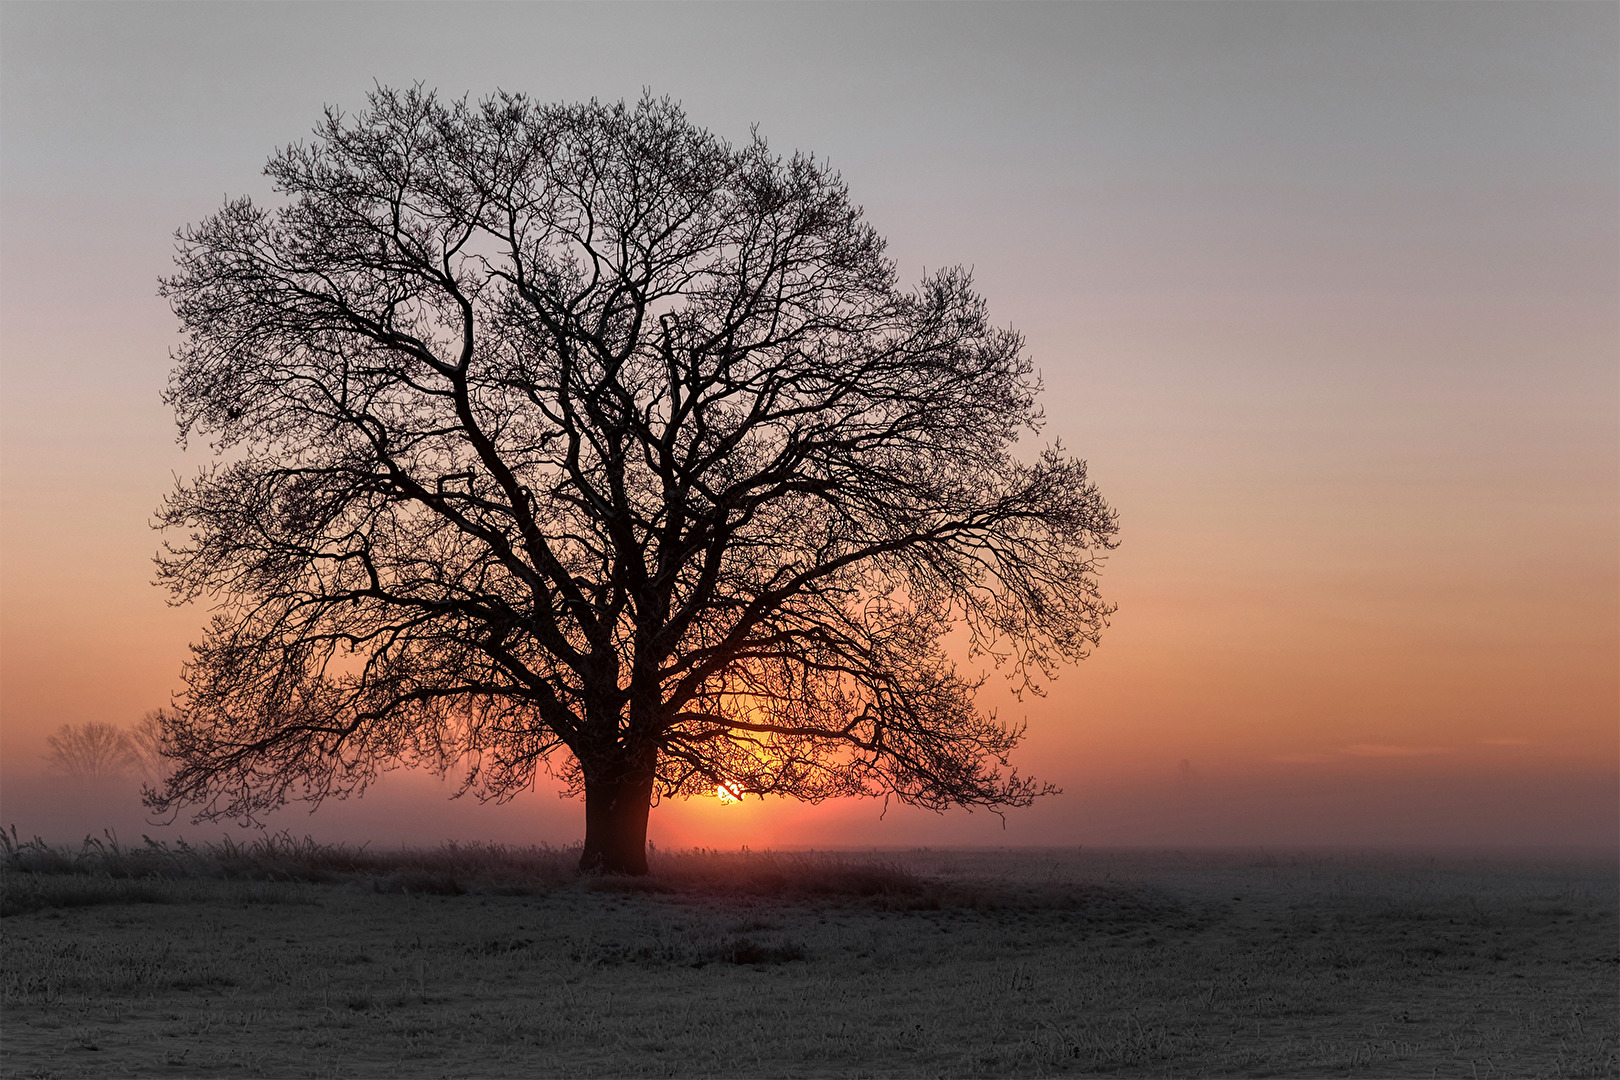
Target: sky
1328,296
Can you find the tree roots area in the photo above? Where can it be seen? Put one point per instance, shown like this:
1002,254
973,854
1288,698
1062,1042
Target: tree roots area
930,963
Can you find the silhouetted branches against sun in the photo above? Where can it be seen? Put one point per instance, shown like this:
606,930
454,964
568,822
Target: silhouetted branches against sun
571,435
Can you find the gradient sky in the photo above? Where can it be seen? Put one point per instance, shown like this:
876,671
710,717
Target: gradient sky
1326,294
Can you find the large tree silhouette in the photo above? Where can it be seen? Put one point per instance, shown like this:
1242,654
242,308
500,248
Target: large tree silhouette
572,436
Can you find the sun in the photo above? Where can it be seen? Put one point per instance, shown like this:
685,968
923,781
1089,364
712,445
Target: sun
726,794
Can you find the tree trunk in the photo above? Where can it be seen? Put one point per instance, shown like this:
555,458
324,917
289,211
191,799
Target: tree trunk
617,802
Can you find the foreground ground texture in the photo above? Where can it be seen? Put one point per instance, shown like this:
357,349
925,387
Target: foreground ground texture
490,962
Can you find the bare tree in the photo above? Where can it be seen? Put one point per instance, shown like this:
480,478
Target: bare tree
147,747
573,436
90,751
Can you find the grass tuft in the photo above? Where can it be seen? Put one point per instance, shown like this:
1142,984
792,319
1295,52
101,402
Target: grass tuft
36,875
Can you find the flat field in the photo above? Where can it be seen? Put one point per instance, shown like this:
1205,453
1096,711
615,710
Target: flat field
494,962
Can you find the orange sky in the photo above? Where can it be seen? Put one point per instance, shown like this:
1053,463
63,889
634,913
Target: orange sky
1326,295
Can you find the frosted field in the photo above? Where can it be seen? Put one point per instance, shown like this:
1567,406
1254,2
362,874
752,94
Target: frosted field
302,961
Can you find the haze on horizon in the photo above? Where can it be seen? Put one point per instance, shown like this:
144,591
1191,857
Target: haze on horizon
1325,294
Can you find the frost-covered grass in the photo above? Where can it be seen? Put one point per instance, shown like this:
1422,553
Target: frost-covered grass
298,959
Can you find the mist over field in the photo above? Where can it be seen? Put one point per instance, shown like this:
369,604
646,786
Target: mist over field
1350,808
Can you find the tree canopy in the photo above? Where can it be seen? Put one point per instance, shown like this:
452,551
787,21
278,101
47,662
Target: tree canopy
571,436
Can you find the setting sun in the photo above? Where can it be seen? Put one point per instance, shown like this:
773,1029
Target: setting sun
726,794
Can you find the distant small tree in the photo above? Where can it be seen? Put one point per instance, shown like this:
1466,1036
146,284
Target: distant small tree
90,751
573,436
146,745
